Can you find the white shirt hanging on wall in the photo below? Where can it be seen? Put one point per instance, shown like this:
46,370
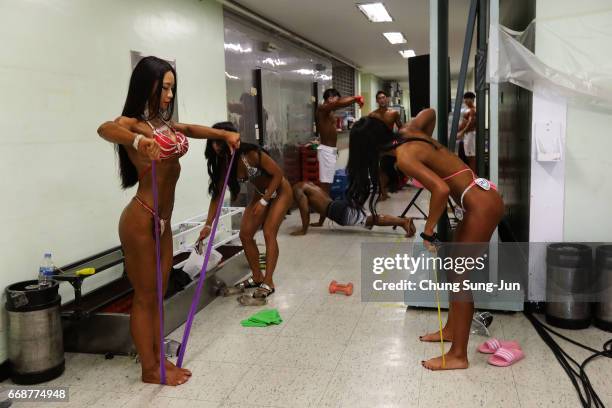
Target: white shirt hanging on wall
549,147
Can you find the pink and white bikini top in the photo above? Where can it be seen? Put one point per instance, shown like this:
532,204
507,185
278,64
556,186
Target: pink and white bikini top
170,147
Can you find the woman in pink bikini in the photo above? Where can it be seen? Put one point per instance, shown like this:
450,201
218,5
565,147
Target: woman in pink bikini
142,134
443,174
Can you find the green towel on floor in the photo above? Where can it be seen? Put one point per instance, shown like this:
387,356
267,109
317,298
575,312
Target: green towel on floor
262,319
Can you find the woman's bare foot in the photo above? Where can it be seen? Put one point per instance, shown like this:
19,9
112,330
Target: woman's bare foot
410,228
170,365
384,197
435,336
298,232
450,363
174,376
316,224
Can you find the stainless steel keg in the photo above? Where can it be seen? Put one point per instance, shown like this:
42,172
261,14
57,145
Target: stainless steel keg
35,342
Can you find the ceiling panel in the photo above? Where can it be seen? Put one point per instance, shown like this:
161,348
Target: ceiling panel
340,27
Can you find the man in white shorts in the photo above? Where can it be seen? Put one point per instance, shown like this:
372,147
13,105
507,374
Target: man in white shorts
467,130
327,153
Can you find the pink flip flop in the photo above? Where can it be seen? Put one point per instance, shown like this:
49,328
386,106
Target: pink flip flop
492,345
505,357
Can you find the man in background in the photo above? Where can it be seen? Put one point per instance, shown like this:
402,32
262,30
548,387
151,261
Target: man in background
391,118
327,153
309,196
467,130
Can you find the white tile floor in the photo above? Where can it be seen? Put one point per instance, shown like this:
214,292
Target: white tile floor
332,350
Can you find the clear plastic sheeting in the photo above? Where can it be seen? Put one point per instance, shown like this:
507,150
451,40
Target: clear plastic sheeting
573,58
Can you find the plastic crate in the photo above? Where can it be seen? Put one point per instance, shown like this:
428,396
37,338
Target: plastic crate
339,185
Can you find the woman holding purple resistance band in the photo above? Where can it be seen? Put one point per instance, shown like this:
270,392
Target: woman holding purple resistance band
272,199
145,134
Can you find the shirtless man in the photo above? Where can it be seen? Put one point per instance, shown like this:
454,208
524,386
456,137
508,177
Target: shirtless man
327,154
391,118
307,195
467,130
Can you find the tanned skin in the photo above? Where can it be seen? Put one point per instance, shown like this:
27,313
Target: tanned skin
390,118
136,225
326,126
468,124
308,195
484,210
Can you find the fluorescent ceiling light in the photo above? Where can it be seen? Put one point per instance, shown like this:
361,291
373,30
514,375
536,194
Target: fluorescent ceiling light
237,48
229,76
375,12
407,53
309,72
304,71
275,62
395,38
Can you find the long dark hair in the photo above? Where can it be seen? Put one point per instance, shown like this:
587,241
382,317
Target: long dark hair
217,163
143,95
368,136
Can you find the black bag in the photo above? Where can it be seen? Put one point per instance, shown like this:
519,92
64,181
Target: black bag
177,282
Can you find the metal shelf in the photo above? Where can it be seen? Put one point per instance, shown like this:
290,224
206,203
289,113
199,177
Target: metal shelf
194,224
114,256
217,244
225,212
198,221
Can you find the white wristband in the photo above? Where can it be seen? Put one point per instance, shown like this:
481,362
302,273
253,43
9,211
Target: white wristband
137,141
263,202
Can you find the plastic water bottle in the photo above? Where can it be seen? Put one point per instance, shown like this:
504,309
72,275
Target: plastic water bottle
45,271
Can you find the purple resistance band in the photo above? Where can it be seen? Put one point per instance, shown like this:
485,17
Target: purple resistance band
196,299
160,292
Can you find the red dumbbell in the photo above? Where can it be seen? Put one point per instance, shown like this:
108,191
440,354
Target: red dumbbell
338,287
359,100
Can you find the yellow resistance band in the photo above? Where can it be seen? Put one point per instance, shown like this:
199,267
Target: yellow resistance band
440,320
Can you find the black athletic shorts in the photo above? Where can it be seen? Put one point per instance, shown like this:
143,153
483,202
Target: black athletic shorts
343,214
